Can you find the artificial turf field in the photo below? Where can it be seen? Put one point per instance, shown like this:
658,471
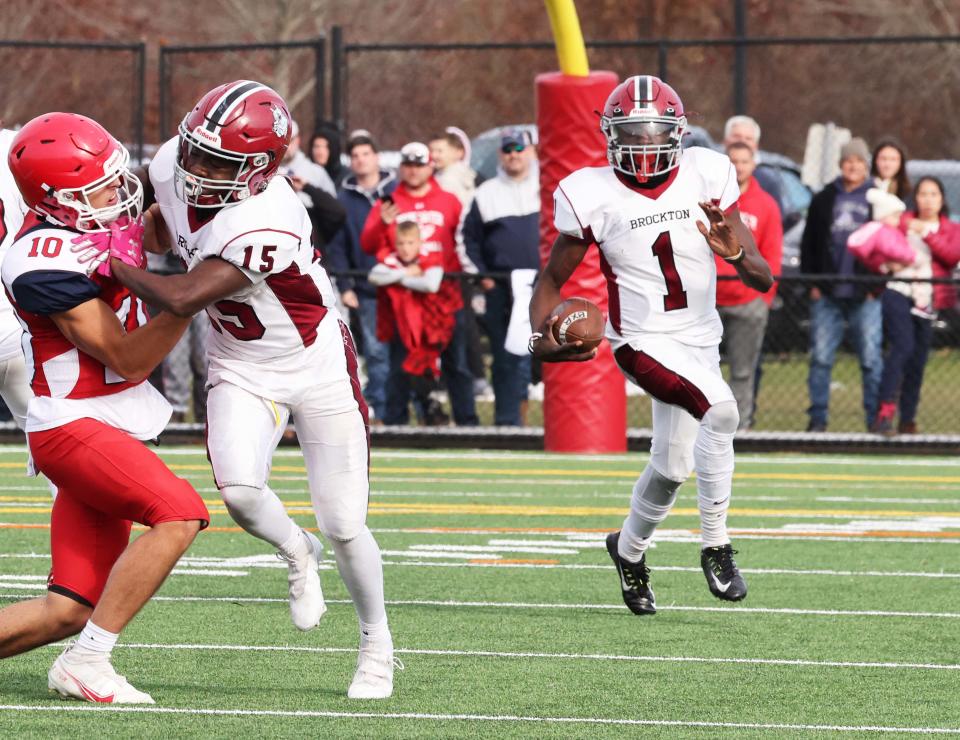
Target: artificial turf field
506,610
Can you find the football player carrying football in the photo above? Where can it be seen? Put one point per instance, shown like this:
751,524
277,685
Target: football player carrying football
278,350
88,352
646,213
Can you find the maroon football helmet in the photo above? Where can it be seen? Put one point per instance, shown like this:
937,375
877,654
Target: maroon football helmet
245,125
643,122
59,160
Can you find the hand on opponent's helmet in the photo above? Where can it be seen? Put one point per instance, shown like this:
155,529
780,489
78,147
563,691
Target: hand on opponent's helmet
124,241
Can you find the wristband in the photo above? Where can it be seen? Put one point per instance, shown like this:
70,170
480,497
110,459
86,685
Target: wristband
535,337
738,257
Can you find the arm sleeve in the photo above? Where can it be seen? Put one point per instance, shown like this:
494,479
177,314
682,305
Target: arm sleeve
336,253
565,218
371,237
382,275
428,282
945,244
473,237
729,189
45,292
809,256
328,212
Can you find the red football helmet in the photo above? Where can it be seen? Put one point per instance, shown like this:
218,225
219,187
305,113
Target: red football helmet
244,125
644,122
59,160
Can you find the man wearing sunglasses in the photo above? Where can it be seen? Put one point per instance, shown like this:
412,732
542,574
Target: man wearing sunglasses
502,234
658,215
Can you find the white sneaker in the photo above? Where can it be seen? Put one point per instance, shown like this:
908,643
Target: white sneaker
374,676
306,597
91,678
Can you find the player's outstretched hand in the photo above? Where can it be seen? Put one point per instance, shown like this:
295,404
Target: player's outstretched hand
548,349
720,236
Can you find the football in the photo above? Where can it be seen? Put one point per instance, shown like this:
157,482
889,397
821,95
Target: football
578,319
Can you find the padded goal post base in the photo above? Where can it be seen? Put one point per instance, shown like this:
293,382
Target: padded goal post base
584,405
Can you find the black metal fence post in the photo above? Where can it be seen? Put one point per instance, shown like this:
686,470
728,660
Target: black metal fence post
336,75
164,101
319,83
138,114
739,57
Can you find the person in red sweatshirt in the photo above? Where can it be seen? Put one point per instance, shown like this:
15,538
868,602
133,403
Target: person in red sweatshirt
744,311
420,199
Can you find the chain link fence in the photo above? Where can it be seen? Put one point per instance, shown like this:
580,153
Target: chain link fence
783,400
104,81
295,69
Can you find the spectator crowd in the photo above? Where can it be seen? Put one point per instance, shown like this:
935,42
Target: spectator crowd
431,258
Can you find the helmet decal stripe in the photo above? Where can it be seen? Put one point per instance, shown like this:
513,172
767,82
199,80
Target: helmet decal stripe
649,81
228,101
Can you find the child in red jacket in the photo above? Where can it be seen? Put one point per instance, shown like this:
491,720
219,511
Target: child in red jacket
409,311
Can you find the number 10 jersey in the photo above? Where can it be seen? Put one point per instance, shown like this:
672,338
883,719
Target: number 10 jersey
661,275
281,333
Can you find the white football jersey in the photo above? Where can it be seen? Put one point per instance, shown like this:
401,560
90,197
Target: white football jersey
44,276
275,336
661,275
12,210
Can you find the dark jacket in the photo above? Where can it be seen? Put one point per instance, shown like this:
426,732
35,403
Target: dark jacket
344,252
327,215
502,229
816,249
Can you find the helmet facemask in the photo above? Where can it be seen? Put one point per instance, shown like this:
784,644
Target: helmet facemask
87,218
209,192
644,146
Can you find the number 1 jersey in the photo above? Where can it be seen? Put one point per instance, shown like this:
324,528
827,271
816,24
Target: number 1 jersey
661,275
270,338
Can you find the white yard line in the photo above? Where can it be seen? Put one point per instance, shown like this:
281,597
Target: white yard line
729,610
204,565
776,727
550,656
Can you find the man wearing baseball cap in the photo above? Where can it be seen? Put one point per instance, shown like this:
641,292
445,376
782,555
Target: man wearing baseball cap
835,213
420,199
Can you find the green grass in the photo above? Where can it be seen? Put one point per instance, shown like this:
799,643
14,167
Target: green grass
548,638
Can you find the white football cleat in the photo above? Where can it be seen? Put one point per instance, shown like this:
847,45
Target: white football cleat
306,597
374,676
90,677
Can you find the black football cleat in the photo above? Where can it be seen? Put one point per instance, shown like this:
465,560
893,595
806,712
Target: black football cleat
634,579
723,576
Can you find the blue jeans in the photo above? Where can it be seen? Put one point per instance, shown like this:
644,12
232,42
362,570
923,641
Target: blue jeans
908,345
830,319
455,370
511,373
377,356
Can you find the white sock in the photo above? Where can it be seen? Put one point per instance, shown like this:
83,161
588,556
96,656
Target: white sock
260,512
295,545
653,497
376,634
95,639
713,460
362,572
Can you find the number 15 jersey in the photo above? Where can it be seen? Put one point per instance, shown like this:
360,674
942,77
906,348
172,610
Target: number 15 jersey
278,334
661,275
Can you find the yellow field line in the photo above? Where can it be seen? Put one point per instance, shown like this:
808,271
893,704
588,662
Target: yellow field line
587,474
380,508
501,530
